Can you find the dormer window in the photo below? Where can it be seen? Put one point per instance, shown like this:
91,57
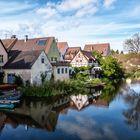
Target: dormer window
1,58
41,42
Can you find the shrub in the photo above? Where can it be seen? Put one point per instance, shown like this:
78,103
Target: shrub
18,80
1,77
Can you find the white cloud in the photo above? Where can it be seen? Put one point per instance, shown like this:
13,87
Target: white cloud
78,8
68,5
14,7
86,129
108,3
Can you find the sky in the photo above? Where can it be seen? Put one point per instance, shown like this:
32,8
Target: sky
77,22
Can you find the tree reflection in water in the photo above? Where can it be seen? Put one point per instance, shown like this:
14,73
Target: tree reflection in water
43,114
132,114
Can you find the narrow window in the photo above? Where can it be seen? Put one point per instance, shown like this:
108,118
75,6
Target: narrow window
42,60
55,58
62,70
51,58
58,70
66,70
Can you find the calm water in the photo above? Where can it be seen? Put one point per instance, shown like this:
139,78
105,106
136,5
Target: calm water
108,114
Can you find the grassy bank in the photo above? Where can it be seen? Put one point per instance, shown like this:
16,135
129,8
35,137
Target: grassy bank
53,88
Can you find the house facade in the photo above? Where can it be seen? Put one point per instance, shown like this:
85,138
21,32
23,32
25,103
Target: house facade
83,58
61,71
102,48
62,46
3,55
29,65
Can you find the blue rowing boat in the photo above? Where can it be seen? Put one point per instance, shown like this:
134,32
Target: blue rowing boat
10,95
7,106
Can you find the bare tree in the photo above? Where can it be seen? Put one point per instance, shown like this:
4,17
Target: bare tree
133,44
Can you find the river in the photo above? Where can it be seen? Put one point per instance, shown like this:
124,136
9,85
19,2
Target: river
112,113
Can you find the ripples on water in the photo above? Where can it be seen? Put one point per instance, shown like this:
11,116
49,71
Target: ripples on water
99,115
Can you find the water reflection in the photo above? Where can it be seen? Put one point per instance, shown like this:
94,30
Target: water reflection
132,114
95,115
39,114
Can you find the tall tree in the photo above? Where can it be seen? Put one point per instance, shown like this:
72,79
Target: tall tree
132,45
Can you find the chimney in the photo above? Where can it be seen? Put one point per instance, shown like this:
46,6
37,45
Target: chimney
13,36
26,38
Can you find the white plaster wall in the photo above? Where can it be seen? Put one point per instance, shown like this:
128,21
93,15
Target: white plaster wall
24,74
79,61
5,55
61,76
39,68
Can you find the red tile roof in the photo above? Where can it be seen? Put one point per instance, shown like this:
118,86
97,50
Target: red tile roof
71,53
32,44
9,43
103,48
62,46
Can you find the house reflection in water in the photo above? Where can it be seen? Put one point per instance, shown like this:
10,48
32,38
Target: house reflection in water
79,101
40,114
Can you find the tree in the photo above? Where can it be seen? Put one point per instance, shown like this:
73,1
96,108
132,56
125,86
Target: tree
132,45
111,68
97,55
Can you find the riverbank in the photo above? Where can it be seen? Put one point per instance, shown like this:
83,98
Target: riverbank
56,88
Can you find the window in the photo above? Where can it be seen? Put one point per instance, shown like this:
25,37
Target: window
41,42
66,70
58,70
55,58
1,58
51,58
42,59
62,70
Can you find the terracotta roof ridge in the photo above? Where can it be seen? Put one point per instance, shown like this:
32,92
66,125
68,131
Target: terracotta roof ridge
98,44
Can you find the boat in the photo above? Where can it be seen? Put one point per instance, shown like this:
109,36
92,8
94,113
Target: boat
10,95
9,101
6,106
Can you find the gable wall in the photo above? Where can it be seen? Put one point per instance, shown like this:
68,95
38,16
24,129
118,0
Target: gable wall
79,60
54,52
5,55
39,68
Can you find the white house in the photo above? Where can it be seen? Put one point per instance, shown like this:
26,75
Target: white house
29,65
80,101
3,55
61,70
83,58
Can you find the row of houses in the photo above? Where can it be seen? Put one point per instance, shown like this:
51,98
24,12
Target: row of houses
31,58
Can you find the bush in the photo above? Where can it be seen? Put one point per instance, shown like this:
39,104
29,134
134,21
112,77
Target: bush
18,80
1,77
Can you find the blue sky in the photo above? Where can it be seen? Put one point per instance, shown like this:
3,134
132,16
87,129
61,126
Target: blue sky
76,21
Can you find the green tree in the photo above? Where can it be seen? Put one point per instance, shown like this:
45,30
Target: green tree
97,55
111,68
